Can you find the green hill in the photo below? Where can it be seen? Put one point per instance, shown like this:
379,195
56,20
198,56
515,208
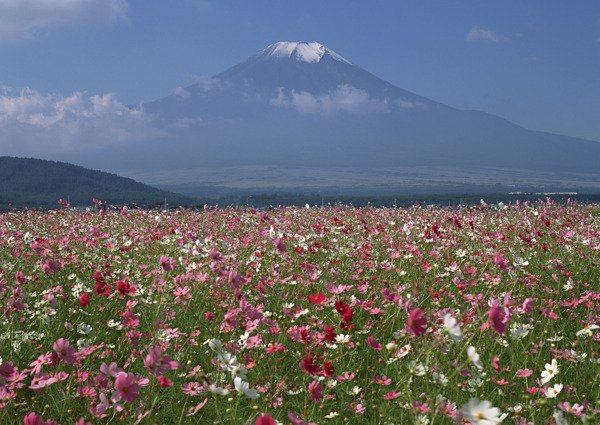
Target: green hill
28,182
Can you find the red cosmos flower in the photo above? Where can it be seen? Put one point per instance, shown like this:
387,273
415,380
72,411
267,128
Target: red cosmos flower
84,300
308,365
102,288
124,287
416,322
329,334
346,325
164,382
327,369
341,307
265,420
344,310
316,298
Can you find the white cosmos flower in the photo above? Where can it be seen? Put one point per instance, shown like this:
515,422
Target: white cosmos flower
215,345
550,371
553,391
244,387
481,412
587,330
239,370
472,353
559,418
453,329
84,328
217,390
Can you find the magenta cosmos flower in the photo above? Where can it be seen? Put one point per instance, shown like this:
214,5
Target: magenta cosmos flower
416,322
127,386
64,351
498,319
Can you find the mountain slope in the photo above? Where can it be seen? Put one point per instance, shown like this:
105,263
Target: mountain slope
35,183
297,104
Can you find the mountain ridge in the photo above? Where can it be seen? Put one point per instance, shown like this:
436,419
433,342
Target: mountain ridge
289,109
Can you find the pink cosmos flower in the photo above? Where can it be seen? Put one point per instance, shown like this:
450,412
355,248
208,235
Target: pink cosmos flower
280,245
392,395
358,408
191,388
111,370
41,360
109,403
373,343
215,255
20,278
167,263
127,386
50,267
416,322
382,381
315,391
498,319
84,300
66,353
297,421
501,262
196,408
575,409
86,391
496,363
524,373
33,419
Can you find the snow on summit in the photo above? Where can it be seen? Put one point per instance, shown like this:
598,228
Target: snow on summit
300,51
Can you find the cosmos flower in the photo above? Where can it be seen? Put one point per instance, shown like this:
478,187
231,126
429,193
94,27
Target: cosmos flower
550,371
481,412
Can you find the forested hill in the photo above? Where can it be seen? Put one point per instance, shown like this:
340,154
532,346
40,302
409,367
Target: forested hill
28,182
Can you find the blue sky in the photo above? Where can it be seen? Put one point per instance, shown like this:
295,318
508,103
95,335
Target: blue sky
535,62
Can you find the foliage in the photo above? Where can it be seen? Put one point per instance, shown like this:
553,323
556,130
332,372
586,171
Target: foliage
39,183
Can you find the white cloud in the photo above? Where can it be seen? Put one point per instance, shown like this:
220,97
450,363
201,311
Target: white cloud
181,93
483,34
207,83
345,98
408,104
32,123
23,19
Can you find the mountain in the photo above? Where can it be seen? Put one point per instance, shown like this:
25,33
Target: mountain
297,105
40,183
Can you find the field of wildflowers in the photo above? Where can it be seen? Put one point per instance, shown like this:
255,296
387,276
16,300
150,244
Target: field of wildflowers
301,315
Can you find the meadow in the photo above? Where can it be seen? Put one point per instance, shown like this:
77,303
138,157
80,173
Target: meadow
334,315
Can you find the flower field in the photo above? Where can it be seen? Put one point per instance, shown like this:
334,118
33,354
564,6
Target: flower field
301,315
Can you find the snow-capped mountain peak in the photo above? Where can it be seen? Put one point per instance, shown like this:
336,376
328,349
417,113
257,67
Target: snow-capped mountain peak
300,51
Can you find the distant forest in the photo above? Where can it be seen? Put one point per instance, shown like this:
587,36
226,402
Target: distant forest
35,183
27,182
